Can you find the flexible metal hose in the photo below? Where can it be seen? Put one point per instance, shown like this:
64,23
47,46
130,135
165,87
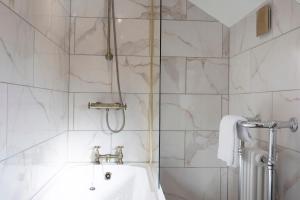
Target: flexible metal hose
111,8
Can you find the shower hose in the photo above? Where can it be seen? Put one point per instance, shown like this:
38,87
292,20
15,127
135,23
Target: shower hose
109,56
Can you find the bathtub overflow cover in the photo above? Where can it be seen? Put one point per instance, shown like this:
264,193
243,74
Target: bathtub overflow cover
107,176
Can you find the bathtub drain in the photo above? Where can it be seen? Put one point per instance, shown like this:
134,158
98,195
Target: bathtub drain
92,188
107,176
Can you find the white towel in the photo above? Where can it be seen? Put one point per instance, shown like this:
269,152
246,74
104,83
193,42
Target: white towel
229,136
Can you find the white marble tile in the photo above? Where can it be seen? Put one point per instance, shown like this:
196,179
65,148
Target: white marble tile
191,183
136,8
90,74
172,148
276,60
190,112
90,36
288,174
201,149
28,171
174,9
3,119
51,65
134,72
207,76
251,106
191,38
243,34
239,73
259,69
51,17
238,37
136,148
285,106
136,114
34,115
123,8
136,42
195,13
173,74
89,8
16,49
81,145
286,16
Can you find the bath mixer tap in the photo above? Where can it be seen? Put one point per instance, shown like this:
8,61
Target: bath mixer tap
117,157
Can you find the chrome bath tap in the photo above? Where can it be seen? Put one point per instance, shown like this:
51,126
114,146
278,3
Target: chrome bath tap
117,157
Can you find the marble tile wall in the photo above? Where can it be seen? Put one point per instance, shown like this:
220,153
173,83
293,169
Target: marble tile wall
34,84
194,87
93,78
264,80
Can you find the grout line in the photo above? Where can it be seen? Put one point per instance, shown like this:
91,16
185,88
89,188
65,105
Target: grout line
186,11
33,59
144,130
30,24
222,35
220,185
267,41
146,19
74,39
34,87
6,128
227,183
48,181
271,91
157,57
73,117
69,84
272,105
184,149
139,93
185,76
197,167
222,114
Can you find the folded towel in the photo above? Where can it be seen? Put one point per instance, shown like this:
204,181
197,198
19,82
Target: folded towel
229,136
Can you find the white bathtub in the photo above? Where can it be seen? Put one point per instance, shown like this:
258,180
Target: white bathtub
128,182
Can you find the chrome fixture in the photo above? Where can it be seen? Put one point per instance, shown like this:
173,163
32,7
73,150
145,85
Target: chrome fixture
100,105
292,124
117,157
109,57
107,176
273,127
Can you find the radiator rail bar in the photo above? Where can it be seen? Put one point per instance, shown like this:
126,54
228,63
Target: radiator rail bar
273,127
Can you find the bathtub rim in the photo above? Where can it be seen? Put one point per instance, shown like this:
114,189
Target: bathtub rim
155,186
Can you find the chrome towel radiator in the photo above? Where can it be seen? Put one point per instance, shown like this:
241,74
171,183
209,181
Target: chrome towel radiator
273,127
